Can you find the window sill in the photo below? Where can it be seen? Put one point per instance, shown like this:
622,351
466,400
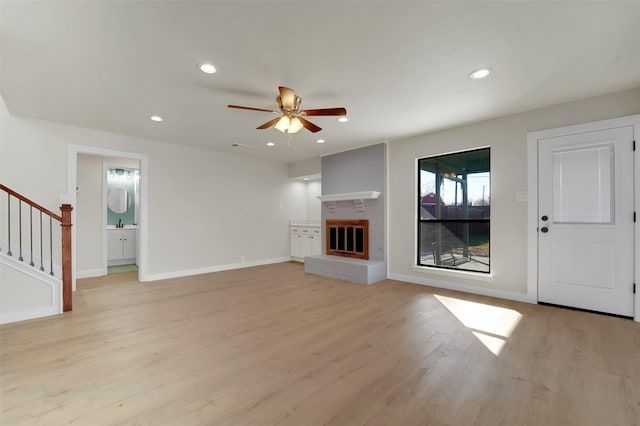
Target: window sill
478,276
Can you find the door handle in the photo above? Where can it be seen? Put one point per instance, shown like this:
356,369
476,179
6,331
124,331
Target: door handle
544,229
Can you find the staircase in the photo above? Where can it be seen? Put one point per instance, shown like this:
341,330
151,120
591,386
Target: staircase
35,258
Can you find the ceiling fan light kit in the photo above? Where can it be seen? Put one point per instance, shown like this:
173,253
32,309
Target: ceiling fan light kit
292,119
287,124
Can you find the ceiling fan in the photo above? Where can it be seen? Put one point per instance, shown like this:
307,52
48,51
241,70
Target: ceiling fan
293,118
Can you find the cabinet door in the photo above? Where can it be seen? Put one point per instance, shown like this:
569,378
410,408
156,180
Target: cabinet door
129,245
296,245
316,245
306,245
114,245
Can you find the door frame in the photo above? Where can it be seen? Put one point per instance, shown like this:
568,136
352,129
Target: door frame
532,188
72,172
106,165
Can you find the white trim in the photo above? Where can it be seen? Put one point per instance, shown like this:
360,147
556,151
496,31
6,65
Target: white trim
451,273
105,235
90,273
217,268
72,171
532,220
29,270
27,314
387,220
54,283
501,294
45,262
105,228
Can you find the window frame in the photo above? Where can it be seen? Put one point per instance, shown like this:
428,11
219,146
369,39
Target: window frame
420,220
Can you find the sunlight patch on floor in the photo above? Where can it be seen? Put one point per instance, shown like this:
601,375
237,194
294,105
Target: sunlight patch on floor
492,325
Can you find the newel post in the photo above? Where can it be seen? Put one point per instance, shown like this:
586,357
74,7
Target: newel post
67,303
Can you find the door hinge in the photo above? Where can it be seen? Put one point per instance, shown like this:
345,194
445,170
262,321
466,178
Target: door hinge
634,288
634,217
634,145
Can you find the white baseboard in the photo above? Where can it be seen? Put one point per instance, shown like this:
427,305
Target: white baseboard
90,273
209,269
501,294
44,311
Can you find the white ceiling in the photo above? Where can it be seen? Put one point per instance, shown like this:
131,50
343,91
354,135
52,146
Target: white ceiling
399,68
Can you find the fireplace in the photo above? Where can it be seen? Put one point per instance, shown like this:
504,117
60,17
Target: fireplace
348,238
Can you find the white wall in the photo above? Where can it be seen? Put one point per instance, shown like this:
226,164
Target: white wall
313,204
507,138
89,207
25,293
207,209
308,167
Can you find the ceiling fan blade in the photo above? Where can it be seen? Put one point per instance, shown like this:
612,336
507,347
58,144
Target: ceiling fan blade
287,98
309,125
324,111
269,123
253,109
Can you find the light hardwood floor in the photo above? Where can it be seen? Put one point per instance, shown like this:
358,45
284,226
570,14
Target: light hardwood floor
273,345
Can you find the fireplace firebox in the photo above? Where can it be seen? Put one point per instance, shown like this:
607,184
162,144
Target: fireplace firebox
348,238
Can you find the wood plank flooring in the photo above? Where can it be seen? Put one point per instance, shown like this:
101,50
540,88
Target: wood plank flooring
272,345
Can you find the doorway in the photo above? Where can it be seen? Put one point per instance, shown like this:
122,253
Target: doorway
106,156
582,215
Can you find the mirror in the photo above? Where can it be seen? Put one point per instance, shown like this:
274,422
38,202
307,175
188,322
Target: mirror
118,200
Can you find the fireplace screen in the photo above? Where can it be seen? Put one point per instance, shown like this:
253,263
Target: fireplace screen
349,238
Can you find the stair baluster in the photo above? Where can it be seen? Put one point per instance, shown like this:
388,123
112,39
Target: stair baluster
41,258
31,234
51,243
20,258
65,222
9,224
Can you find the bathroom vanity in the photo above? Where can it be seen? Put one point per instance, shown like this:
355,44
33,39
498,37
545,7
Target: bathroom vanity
121,245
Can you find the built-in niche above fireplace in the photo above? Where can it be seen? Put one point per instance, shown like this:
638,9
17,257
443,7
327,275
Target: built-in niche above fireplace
347,238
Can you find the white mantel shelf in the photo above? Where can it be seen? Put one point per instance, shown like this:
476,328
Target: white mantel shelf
357,198
363,195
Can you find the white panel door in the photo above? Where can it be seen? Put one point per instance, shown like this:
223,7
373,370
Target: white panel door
585,220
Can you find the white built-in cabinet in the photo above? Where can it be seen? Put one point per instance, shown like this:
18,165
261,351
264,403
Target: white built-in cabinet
305,241
121,246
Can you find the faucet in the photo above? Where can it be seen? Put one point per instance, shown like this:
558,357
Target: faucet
119,223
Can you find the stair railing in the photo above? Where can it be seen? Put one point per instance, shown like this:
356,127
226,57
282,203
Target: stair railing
65,222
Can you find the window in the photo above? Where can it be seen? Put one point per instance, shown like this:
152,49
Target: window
454,205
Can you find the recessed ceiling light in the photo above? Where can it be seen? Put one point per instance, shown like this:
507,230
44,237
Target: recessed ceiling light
207,68
155,118
271,144
320,141
481,73
306,179
343,119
